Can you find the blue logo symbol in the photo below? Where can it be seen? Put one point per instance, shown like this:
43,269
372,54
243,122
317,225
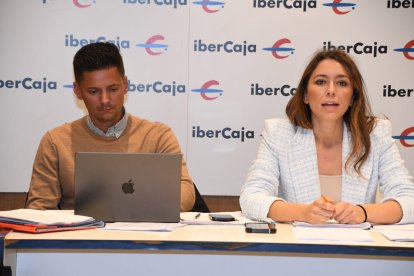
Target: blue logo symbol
276,48
207,4
205,90
337,4
150,45
408,48
405,136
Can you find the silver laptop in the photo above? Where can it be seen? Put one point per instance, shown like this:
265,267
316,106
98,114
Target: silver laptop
134,187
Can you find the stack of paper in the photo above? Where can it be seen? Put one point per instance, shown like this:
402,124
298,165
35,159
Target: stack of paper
397,232
332,234
143,226
41,221
333,224
332,231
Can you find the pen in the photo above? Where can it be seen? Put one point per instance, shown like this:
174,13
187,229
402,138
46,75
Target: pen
197,216
326,199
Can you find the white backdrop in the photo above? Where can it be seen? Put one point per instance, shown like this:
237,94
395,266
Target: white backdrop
200,67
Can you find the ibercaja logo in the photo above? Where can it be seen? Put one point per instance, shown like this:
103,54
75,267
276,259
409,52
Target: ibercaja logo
407,50
82,4
152,47
210,6
405,137
280,50
340,8
207,92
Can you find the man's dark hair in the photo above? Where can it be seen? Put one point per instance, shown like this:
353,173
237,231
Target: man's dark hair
97,56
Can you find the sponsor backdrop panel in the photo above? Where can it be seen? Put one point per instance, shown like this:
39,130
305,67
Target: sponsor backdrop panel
387,70
32,73
43,37
212,70
157,63
263,80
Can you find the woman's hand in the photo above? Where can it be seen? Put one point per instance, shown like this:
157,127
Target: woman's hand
320,211
348,213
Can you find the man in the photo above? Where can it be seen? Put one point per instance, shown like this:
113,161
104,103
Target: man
101,83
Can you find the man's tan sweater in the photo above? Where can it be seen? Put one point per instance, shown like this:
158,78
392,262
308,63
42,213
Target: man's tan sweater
52,183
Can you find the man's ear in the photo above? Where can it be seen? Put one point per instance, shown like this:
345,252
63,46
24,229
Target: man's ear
125,80
76,90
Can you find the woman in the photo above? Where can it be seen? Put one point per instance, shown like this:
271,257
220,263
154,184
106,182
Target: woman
328,158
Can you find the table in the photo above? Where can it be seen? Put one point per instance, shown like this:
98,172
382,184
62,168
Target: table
201,250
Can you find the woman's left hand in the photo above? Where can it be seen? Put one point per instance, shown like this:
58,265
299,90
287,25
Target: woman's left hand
348,213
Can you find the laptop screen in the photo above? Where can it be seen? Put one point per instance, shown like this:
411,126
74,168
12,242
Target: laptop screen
133,187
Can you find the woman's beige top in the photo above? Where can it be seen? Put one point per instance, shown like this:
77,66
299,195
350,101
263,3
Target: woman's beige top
331,186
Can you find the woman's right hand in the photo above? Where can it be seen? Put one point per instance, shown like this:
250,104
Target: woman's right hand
319,211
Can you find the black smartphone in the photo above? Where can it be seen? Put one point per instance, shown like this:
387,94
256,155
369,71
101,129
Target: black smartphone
260,227
221,217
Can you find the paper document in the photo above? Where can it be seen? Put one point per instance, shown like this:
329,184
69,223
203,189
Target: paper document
396,232
332,234
203,219
44,217
42,221
332,224
143,226
402,227
398,235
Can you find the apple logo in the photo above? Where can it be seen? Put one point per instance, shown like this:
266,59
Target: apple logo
128,187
